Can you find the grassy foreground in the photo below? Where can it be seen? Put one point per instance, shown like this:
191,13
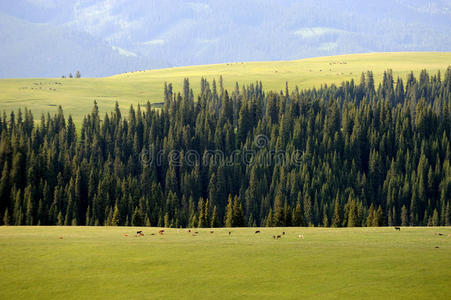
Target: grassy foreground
100,263
77,95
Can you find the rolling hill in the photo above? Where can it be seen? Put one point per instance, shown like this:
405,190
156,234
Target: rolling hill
106,37
43,95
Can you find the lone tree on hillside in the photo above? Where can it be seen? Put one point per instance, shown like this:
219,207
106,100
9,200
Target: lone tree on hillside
78,75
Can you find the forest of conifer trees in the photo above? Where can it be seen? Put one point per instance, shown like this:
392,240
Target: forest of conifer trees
366,155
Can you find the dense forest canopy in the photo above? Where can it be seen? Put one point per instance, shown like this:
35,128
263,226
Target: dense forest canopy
348,155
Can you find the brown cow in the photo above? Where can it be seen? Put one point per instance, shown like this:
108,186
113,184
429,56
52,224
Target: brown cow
60,237
125,235
212,232
278,236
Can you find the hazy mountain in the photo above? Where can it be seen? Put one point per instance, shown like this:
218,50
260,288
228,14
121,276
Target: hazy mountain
105,37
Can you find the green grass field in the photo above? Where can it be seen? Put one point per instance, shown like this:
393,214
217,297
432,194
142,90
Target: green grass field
77,95
100,263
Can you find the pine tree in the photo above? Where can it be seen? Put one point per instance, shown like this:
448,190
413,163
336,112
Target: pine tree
109,218
404,216
214,218
207,213
238,215
229,218
202,217
137,218
325,219
298,219
29,206
60,219
336,220
269,219
448,215
6,220
18,213
166,220
379,217
435,219
278,217
352,212
371,216
115,221
308,214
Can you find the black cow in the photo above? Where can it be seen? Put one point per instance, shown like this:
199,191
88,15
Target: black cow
397,228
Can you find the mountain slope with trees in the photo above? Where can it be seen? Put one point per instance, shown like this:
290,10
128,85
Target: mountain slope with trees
355,154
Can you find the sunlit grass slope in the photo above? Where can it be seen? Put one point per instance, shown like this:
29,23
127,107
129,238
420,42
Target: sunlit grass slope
77,95
340,263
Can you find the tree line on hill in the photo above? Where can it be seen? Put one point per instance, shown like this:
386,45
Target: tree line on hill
77,75
352,155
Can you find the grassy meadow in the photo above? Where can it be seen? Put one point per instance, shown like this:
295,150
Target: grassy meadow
77,95
346,263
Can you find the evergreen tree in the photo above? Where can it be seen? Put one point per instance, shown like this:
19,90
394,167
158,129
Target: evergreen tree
269,219
229,213
214,218
137,218
202,217
435,219
115,221
404,216
238,215
372,217
298,219
325,219
278,217
336,220
6,219
60,219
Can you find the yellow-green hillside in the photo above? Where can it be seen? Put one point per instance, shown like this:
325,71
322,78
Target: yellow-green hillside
77,95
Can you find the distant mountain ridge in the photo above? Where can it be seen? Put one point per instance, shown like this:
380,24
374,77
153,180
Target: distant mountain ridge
105,37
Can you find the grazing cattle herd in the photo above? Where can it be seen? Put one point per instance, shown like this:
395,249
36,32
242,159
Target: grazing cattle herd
140,233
